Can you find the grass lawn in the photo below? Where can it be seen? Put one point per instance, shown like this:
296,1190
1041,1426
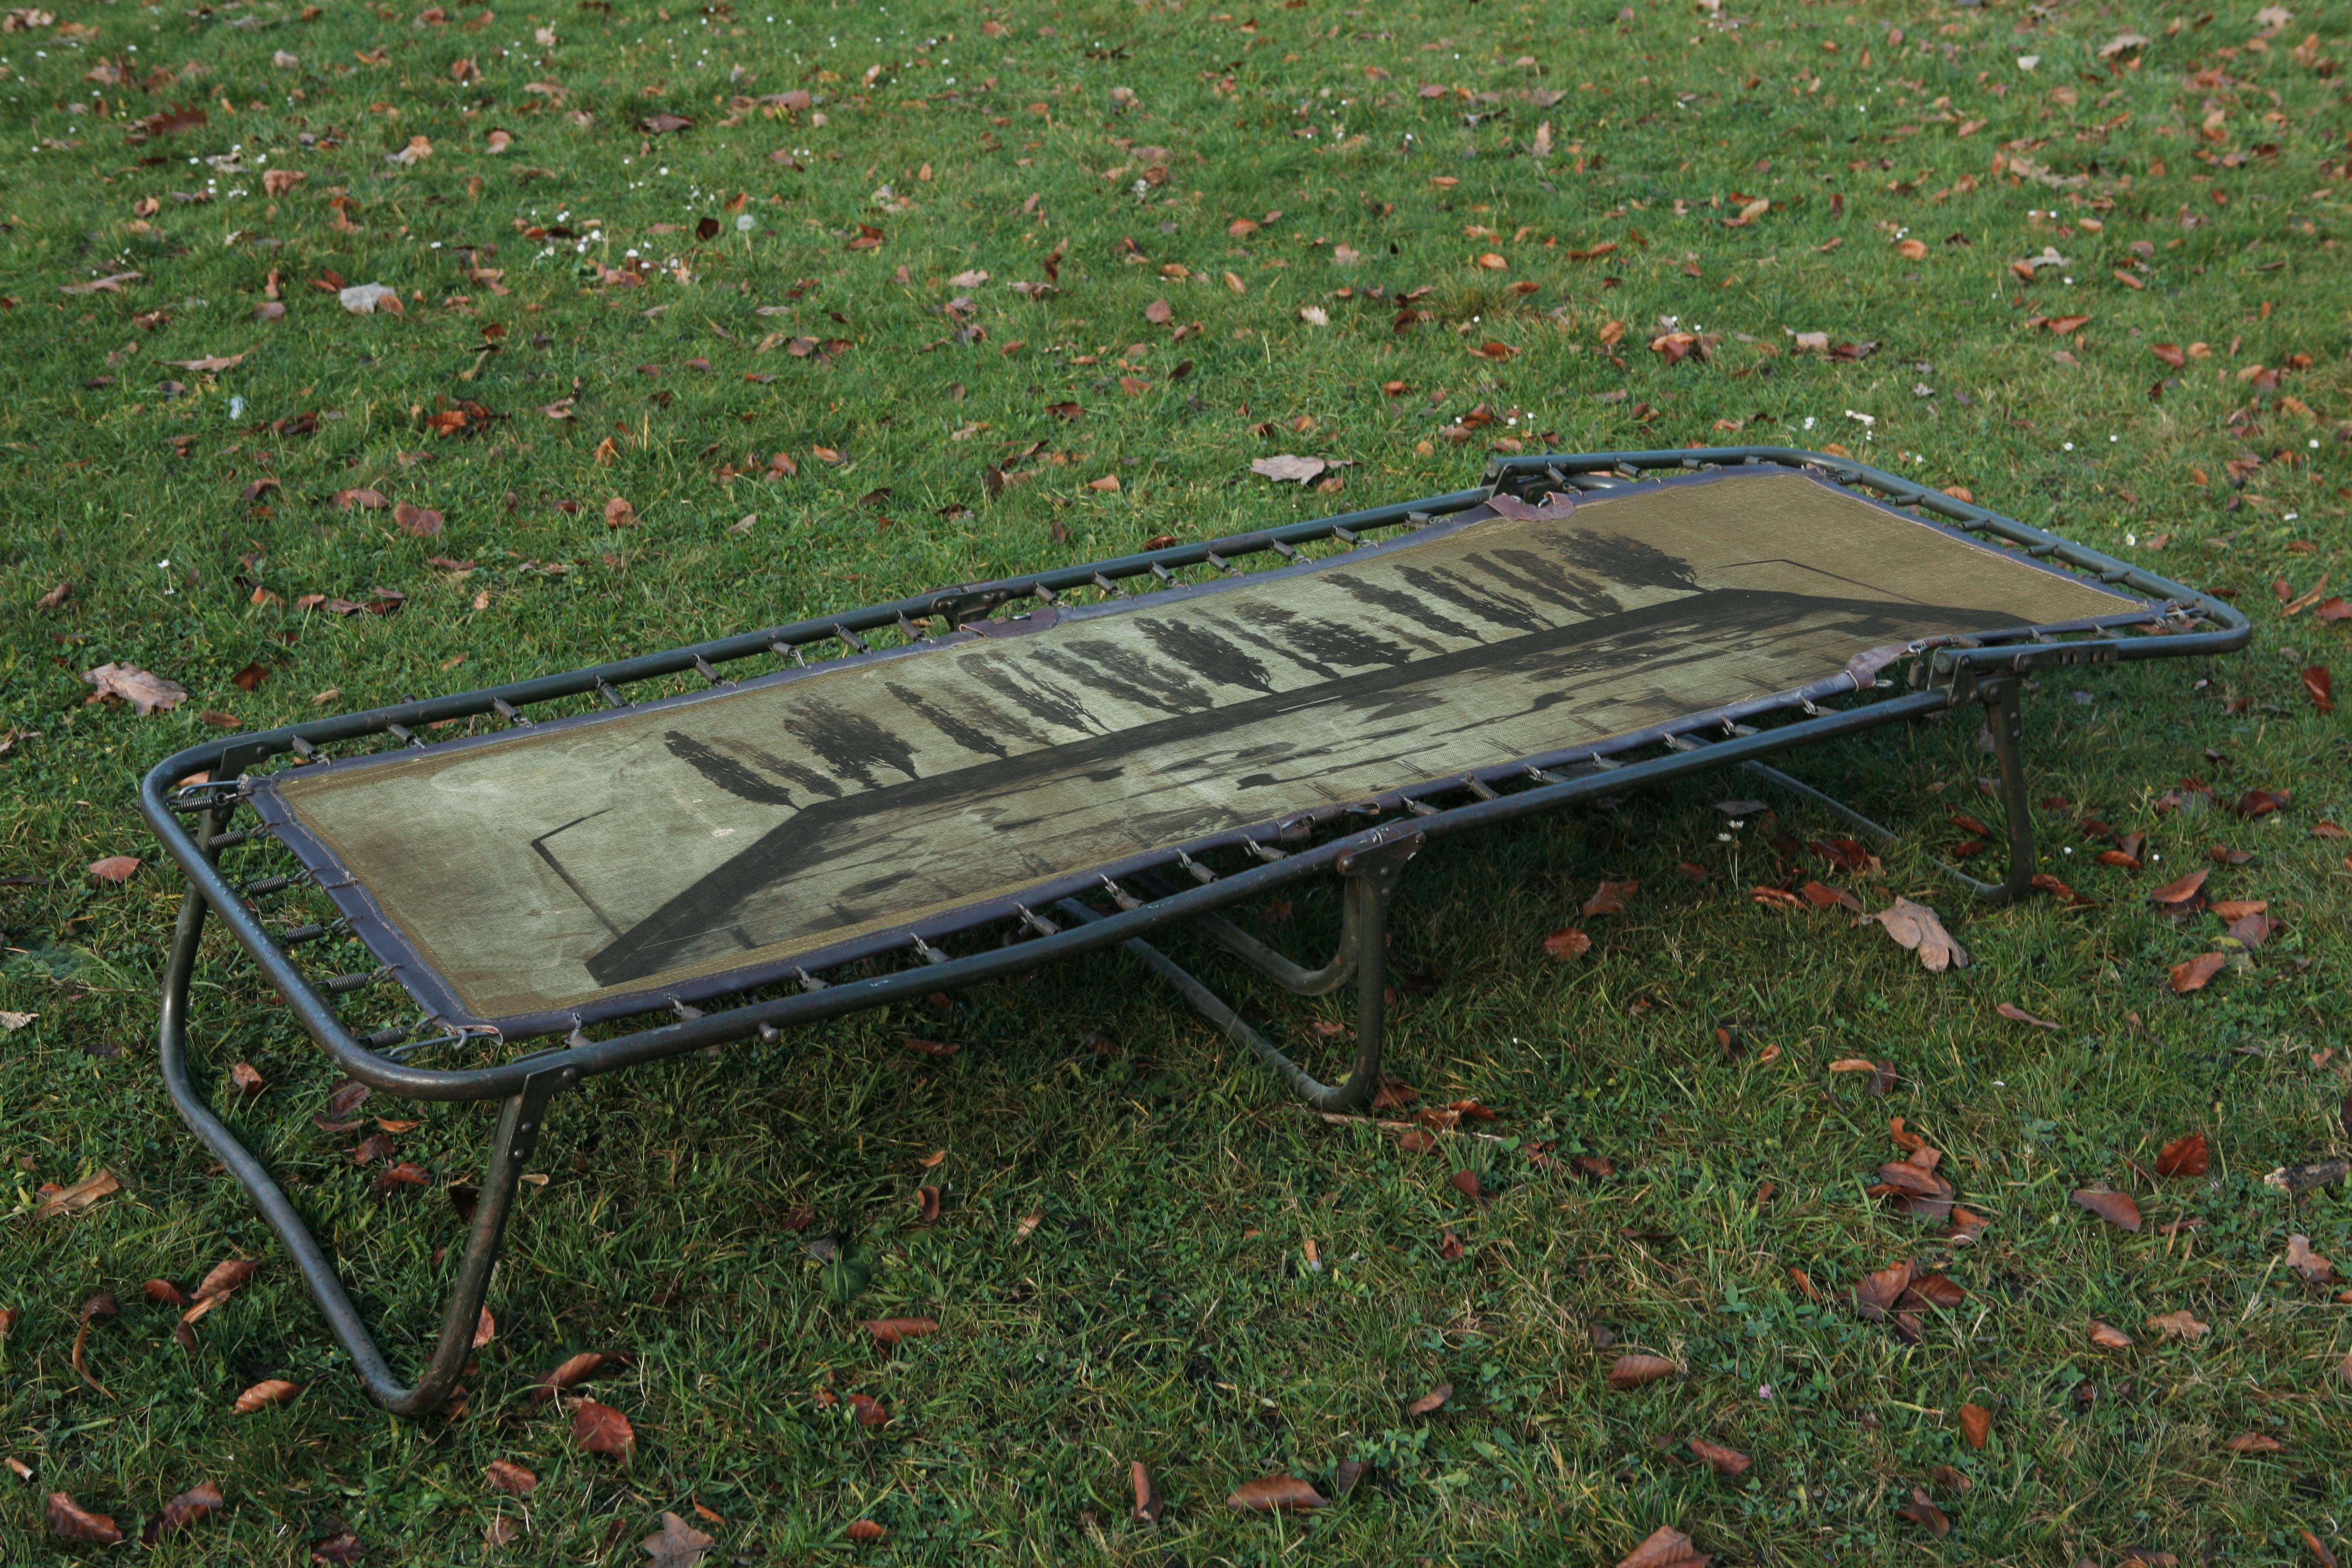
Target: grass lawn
684,345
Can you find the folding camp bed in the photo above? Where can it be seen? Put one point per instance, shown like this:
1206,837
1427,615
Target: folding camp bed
729,840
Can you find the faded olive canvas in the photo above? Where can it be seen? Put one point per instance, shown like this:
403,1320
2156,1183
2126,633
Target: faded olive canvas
542,869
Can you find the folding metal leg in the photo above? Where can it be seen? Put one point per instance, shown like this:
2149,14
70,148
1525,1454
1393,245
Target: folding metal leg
1372,875
520,1121
2005,718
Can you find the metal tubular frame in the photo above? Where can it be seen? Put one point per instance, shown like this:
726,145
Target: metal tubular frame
1946,673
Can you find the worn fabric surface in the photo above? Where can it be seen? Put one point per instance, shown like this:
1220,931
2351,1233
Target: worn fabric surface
539,869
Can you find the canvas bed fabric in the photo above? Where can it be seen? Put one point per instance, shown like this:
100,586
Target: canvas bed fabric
543,869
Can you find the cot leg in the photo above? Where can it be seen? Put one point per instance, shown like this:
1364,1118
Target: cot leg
1372,875
520,1121
2005,719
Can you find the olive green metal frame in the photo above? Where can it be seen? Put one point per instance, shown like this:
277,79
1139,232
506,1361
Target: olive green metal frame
197,827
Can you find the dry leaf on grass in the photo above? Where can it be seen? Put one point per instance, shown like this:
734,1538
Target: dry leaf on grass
1566,943
1920,929
115,868
265,1394
2253,1443
2318,1270
1433,1401
1976,1425
2115,1208
2017,1014
77,1197
1272,1492
867,1530
366,298
891,1331
190,1507
2107,1337
1283,468
1148,1506
68,1520
1611,899
1632,1371
210,362
676,1544
2192,973
2184,1156
1874,1295
1922,1510
145,691
418,521
506,1476
600,1429
1665,1548
2180,1325
1730,1463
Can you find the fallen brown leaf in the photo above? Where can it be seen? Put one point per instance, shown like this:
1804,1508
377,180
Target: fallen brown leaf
891,1331
1434,1400
2314,1268
1272,1492
418,521
2193,973
1665,1547
676,1544
2180,1325
600,1429
2115,1208
866,1530
2017,1014
1730,1463
2253,1443
265,1394
1632,1371
928,1047
226,1277
1611,899
79,1196
1148,1506
1919,929
115,869
1875,1294
2184,1156
1566,943
1922,1510
2180,894
1822,896
1976,1425
2107,1337
506,1476
145,691
70,1520
190,1507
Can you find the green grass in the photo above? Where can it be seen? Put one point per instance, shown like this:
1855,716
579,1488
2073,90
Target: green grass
1165,1310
